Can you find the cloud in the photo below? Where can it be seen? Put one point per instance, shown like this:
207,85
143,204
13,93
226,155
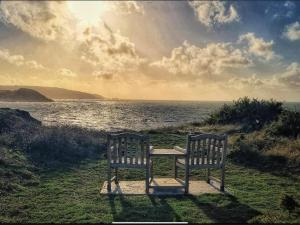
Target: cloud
258,46
108,51
291,76
103,75
18,60
212,13
67,73
289,5
292,31
40,19
207,63
241,83
128,7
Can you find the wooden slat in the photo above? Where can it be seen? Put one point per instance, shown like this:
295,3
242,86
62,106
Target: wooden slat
198,152
208,151
224,148
205,136
218,152
120,150
138,144
214,151
222,152
131,153
142,152
125,150
192,153
114,151
203,151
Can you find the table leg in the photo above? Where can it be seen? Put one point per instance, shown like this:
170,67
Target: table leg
175,168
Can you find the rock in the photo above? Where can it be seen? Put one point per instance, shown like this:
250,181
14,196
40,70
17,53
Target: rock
14,119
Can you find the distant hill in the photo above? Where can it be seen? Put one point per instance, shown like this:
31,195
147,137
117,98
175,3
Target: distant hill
23,95
57,93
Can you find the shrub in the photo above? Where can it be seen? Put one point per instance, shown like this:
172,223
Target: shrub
65,144
252,113
288,203
288,125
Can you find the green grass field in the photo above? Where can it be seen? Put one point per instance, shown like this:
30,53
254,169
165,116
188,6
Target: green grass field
71,194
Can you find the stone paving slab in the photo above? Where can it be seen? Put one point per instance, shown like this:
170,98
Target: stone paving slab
138,187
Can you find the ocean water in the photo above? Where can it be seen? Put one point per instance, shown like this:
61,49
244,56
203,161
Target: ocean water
116,115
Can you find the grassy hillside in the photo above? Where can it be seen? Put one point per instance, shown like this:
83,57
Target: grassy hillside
22,95
54,174
56,93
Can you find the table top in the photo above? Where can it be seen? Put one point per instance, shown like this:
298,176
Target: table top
166,152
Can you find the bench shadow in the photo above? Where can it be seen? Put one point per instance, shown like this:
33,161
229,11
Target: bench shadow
227,209
147,209
219,208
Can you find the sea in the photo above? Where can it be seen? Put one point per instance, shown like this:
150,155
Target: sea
118,115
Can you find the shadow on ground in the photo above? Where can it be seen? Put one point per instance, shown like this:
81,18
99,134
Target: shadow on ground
157,210
217,208
230,210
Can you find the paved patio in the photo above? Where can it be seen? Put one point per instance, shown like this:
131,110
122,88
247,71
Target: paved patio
161,187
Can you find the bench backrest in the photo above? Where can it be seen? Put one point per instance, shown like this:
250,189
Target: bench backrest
127,149
206,150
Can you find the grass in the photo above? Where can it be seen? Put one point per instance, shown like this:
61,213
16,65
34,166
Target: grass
71,194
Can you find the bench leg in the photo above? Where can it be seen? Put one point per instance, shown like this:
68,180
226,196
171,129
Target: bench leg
222,179
186,182
116,178
175,168
208,176
147,179
148,173
109,179
151,171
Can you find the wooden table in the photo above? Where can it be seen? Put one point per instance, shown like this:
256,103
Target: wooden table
171,182
166,152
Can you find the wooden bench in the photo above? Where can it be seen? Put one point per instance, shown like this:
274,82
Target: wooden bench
127,150
203,151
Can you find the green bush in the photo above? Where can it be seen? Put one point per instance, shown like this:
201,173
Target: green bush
66,144
288,203
252,113
287,125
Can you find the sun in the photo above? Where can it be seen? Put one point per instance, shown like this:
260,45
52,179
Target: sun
88,12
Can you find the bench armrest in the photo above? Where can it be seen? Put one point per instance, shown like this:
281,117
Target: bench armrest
177,148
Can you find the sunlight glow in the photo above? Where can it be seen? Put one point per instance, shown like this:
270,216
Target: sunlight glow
88,12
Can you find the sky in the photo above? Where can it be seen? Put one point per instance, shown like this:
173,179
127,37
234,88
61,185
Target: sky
154,50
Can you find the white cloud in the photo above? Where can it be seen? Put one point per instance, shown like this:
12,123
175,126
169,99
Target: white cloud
291,76
292,31
128,7
108,51
41,19
18,60
212,13
67,72
207,63
258,46
103,75
242,83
